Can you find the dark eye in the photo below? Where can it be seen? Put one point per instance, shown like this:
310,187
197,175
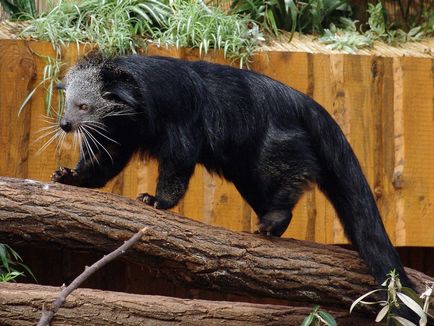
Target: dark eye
83,107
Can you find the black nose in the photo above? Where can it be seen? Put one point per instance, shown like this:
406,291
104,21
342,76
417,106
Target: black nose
65,125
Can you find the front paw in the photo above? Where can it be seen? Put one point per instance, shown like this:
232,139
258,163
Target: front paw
148,199
65,175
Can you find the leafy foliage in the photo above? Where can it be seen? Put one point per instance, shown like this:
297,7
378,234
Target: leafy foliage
192,24
308,16
397,295
379,30
319,317
19,8
11,264
111,24
413,14
349,39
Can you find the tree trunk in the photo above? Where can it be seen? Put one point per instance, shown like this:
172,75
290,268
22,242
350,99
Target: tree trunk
21,304
185,251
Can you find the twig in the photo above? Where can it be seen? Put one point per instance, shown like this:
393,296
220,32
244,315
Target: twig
47,315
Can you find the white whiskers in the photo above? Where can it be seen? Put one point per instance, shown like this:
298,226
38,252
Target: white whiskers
52,131
91,136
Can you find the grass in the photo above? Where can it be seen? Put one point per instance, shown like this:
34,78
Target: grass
19,9
113,25
192,24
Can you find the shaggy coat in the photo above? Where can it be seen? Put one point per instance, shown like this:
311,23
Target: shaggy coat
270,140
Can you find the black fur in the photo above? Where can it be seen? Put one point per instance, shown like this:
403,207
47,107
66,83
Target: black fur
270,140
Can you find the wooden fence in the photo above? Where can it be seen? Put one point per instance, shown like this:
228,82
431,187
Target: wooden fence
383,104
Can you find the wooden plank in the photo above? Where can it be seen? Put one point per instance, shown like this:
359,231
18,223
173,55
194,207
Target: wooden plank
17,70
413,177
42,164
382,105
323,91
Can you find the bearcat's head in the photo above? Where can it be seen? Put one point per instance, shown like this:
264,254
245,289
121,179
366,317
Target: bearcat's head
98,93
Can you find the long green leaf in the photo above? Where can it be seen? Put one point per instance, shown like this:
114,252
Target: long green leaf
308,320
362,297
9,7
409,302
4,256
403,321
383,312
330,321
29,97
294,14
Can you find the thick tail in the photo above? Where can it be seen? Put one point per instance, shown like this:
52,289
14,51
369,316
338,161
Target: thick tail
343,182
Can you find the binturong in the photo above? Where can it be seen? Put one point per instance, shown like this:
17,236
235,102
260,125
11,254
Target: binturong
268,139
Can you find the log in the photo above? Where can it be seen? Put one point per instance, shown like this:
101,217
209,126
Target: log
21,305
184,251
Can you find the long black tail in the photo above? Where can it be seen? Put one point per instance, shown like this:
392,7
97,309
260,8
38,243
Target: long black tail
343,182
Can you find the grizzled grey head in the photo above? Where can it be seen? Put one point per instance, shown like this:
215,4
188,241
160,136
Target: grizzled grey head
84,102
102,101
96,91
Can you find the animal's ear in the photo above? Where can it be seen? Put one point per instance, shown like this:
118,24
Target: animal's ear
120,86
121,94
91,59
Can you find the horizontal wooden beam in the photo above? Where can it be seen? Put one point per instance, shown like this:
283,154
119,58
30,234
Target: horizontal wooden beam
184,251
22,303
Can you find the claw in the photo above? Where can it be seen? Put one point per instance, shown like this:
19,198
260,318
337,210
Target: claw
147,199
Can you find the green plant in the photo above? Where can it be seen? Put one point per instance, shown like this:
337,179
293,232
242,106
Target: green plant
10,263
380,30
308,16
19,8
347,39
113,25
10,276
397,295
192,24
414,13
319,317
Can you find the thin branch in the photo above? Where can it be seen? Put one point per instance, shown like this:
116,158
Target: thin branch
47,315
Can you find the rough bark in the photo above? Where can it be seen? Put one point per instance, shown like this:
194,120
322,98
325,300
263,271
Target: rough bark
185,251
21,305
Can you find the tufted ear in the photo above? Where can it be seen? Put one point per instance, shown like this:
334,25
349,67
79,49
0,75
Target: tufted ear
120,86
91,59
